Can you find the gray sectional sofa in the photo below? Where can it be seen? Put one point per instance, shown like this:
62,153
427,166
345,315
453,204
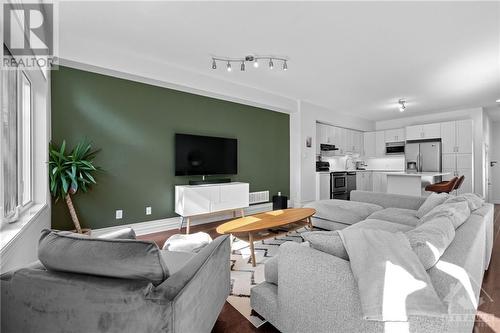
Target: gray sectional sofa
115,285
307,290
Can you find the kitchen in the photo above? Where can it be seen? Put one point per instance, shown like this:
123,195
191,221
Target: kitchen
376,161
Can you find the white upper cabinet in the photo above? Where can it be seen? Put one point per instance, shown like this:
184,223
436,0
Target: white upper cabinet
414,132
456,136
419,132
345,140
369,144
464,136
395,135
448,137
380,144
432,131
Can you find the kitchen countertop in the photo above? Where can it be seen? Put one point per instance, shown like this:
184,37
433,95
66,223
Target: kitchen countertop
368,170
420,174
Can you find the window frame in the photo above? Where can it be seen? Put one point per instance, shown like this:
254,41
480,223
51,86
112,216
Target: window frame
20,142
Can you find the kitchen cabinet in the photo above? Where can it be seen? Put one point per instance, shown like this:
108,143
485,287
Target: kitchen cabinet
379,182
364,181
380,144
369,144
427,131
456,136
322,185
458,165
346,140
395,135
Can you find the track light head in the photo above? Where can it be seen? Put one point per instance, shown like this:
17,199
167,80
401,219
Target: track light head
242,66
214,64
402,105
271,64
228,66
285,66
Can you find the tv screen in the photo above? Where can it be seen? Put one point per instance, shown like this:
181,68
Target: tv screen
205,155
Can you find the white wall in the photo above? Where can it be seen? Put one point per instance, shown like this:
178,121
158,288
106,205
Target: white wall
476,114
308,115
495,156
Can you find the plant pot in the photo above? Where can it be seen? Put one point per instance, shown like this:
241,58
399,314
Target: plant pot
85,231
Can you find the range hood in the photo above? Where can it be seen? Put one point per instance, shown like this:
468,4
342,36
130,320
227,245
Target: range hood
327,147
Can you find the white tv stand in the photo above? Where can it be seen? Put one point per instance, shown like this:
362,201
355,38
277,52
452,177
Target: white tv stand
193,200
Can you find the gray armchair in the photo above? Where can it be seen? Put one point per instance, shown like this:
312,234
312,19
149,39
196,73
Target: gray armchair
34,299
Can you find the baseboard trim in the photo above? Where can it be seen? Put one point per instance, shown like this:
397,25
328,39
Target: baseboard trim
149,227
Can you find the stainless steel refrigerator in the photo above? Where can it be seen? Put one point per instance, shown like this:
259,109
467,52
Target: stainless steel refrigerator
426,155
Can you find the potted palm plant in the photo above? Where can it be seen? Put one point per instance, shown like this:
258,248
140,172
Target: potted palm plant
70,172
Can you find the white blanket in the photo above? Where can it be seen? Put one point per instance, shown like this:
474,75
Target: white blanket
392,282
343,211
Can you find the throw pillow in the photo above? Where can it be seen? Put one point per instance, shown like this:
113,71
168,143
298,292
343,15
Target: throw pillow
326,241
457,212
431,239
433,200
118,258
473,200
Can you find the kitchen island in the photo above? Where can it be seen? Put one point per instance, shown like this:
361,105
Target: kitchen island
412,183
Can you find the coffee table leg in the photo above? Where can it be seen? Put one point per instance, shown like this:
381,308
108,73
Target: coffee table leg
309,220
252,250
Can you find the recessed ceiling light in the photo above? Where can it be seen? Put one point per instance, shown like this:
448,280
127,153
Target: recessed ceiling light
498,100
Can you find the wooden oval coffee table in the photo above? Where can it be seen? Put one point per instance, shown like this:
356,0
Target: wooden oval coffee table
267,225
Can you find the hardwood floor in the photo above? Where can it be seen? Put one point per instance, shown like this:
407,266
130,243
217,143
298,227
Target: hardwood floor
488,315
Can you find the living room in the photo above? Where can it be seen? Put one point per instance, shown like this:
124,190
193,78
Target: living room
186,167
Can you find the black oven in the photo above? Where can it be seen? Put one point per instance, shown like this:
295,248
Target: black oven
338,185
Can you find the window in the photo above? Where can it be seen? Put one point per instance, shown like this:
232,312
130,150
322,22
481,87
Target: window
16,144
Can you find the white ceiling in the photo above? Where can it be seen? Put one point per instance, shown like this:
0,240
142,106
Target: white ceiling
357,57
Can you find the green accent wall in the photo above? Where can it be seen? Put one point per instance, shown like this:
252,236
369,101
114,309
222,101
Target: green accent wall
134,125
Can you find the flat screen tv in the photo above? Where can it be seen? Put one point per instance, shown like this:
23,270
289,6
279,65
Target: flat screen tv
205,155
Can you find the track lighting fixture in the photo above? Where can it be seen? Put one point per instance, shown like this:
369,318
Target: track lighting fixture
249,58
402,105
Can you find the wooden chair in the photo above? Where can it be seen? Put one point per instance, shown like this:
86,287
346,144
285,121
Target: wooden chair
443,187
459,182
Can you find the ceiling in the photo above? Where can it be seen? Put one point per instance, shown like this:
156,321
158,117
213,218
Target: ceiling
353,57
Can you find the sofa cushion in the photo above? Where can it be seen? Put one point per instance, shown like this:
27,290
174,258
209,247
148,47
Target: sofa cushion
326,241
457,212
120,258
381,225
175,260
433,200
473,200
397,215
431,239
187,242
343,211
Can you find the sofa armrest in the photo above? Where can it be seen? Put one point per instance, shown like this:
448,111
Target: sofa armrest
388,200
317,292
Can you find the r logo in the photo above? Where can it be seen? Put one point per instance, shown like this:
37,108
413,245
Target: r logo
28,28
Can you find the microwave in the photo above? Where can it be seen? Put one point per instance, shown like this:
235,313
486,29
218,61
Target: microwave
395,148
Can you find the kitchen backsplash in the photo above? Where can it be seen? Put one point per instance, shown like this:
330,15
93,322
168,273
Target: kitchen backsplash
388,163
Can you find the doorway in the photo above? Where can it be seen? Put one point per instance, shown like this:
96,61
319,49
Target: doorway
494,165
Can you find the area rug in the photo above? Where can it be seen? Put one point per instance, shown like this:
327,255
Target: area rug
244,276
